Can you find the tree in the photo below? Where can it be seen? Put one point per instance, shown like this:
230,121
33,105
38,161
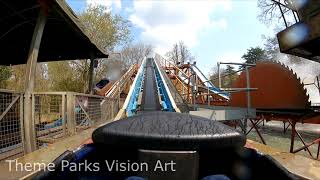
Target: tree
270,12
135,53
228,76
213,76
106,30
17,78
5,74
273,53
180,54
254,55
42,83
63,77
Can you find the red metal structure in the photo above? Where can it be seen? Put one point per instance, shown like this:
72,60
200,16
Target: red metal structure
280,97
278,88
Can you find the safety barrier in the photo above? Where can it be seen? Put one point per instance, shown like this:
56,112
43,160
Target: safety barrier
55,115
11,141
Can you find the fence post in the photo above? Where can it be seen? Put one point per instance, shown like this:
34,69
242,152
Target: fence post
30,75
119,96
112,109
71,120
21,123
63,114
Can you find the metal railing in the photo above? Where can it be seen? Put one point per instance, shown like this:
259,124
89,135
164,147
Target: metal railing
288,11
118,86
182,81
55,115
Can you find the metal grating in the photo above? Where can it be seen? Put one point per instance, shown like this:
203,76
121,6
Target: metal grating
109,108
48,118
55,115
10,125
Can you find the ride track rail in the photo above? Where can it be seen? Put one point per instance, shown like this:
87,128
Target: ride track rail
148,92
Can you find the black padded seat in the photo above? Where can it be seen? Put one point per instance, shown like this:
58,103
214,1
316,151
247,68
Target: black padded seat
168,131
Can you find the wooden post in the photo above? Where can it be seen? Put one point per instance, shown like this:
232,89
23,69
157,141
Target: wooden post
91,74
21,122
71,118
63,114
112,108
30,139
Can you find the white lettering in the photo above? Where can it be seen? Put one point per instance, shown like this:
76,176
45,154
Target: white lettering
158,166
108,166
64,164
10,163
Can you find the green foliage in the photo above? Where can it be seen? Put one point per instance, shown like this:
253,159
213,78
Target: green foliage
62,77
105,29
255,54
17,79
5,74
228,76
213,76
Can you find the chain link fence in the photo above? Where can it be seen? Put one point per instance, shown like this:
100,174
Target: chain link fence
88,111
11,144
55,115
49,118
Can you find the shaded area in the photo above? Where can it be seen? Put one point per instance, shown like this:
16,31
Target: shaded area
64,37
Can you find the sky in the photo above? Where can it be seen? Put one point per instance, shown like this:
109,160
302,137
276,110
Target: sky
214,30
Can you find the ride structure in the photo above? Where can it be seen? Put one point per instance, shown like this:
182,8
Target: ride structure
269,99
143,130
148,133
191,83
148,92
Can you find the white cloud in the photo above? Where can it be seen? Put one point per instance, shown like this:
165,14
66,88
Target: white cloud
108,3
165,22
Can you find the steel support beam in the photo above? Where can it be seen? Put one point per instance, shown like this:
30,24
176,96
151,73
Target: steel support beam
30,138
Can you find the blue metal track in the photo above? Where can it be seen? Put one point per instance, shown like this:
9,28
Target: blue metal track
137,88
164,100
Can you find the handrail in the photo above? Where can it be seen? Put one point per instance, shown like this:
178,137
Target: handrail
168,93
171,63
120,82
214,90
132,93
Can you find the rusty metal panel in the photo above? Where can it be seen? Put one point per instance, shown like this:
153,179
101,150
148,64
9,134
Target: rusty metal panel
278,88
